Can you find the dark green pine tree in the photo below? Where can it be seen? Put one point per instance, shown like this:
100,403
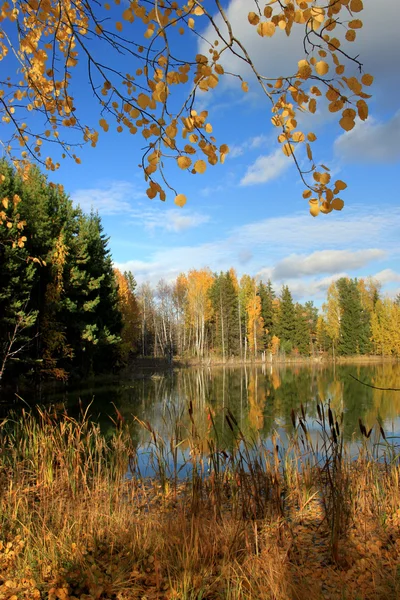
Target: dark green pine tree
302,331
354,325
267,296
286,329
91,299
226,318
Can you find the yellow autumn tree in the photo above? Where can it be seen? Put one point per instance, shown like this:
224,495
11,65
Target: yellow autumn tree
255,322
385,328
135,74
130,316
199,306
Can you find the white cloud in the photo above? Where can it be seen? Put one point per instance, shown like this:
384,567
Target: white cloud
121,198
112,199
258,247
250,144
387,276
266,168
324,261
171,220
371,140
377,42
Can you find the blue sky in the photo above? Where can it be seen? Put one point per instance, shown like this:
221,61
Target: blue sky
249,213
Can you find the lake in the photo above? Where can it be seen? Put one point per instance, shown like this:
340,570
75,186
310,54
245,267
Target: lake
260,397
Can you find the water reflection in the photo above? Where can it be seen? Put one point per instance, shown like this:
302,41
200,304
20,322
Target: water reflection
260,398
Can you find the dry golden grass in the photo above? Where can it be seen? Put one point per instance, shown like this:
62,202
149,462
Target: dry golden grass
73,526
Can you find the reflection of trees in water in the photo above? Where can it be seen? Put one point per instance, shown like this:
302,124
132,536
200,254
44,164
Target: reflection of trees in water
260,398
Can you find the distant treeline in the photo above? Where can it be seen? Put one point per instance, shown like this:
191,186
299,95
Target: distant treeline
65,310
205,314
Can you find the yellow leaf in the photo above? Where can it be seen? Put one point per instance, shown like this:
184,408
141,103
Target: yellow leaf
356,5
5,202
311,137
184,162
288,149
198,11
314,207
307,194
337,203
253,18
266,29
322,67
298,136
305,70
362,110
200,166
151,192
356,24
367,79
325,178
309,152
350,35
103,124
208,128
245,86
118,26
347,123
143,101
191,23
340,185
180,200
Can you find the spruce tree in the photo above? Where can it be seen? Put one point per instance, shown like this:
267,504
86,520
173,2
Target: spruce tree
302,331
226,318
287,320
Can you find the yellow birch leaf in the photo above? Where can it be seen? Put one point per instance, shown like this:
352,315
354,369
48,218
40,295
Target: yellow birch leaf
191,23
356,24
198,11
309,152
298,136
347,123
356,5
208,128
350,35
180,200
311,137
184,162
200,166
118,26
325,178
322,67
367,79
340,185
245,86
288,149
151,193
337,203
307,194
5,202
314,207
362,107
266,29
253,18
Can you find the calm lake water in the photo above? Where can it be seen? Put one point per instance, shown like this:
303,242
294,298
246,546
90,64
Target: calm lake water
261,398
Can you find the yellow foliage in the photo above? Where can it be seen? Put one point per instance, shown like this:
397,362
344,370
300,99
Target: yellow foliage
40,109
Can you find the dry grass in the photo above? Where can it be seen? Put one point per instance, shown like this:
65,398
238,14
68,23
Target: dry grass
248,524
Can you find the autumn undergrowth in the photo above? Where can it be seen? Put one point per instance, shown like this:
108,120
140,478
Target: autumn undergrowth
79,519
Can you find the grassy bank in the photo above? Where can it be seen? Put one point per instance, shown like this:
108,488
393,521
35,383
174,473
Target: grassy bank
310,522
